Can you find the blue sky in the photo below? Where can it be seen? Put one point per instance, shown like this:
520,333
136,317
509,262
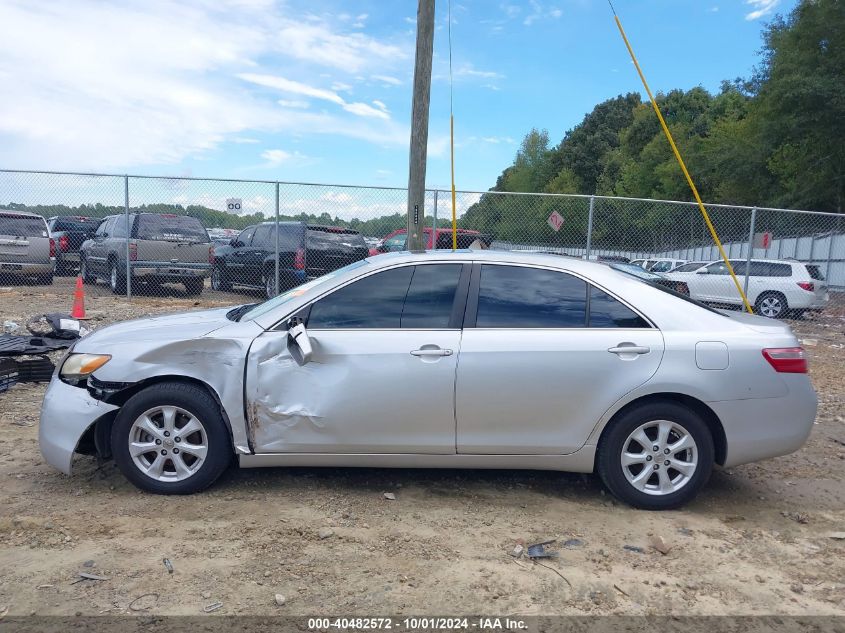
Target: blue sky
320,90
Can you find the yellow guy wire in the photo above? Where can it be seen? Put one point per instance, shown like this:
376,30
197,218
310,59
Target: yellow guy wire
681,163
451,142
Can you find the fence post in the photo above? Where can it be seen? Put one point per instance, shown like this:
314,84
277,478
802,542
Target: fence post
590,226
277,238
128,235
833,235
750,250
433,224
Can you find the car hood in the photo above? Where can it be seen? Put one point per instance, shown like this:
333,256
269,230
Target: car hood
158,328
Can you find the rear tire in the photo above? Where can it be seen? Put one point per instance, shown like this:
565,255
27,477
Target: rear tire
193,287
165,468
117,280
270,289
772,305
87,276
219,279
659,479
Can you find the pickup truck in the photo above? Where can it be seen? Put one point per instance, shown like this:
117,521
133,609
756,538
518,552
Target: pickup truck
162,247
69,232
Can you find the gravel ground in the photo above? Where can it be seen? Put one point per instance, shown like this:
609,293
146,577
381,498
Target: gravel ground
757,541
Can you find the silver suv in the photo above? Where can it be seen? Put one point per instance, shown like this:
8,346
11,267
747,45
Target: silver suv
26,248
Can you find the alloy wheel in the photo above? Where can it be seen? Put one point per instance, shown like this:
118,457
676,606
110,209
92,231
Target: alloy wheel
659,457
168,443
771,306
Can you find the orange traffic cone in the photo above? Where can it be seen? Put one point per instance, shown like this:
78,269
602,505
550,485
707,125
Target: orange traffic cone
78,311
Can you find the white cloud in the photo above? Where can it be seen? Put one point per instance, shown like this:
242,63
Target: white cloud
300,104
150,82
387,79
380,105
276,156
468,70
339,86
360,21
296,87
761,8
244,140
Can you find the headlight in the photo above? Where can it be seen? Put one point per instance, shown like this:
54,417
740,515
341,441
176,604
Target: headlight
77,367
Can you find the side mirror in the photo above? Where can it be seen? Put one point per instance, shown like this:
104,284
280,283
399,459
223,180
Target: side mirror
702,271
299,345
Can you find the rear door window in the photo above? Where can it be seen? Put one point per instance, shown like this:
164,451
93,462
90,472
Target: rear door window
770,269
168,227
607,312
523,297
22,226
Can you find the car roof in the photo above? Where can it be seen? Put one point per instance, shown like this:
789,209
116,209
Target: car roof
20,214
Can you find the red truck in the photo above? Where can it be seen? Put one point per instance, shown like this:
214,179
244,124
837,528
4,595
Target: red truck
396,241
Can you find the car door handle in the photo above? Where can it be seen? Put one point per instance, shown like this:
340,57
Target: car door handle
629,349
431,352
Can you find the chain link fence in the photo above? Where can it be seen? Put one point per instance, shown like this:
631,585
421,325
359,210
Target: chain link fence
234,241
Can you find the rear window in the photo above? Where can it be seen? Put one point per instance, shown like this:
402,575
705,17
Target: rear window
815,272
689,268
75,224
336,237
22,226
170,228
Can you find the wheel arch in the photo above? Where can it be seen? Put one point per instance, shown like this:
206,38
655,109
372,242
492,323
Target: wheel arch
717,430
122,395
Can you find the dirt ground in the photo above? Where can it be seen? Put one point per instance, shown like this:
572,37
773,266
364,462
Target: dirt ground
757,541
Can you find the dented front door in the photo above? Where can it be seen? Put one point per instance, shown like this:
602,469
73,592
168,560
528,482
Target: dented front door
364,391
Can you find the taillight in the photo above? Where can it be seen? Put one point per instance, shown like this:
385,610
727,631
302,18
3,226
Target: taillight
133,252
210,254
64,244
52,247
299,259
787,360
809,286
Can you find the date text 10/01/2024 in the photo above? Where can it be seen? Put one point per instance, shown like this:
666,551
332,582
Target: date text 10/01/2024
417,623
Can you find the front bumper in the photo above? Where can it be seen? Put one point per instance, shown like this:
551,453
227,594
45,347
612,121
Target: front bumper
66,414
761,428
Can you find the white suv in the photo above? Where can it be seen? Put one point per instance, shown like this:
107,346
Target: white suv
775,287
658,264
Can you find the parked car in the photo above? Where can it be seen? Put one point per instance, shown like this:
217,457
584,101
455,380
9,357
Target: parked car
163,248
26,249
305,252
395,242
536,361
658,264
638,272
69,232
776,288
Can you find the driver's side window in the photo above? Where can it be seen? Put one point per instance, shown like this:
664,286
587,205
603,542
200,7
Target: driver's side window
103,229
246,236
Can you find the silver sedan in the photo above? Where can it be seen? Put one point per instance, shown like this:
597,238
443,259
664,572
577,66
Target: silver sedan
440,360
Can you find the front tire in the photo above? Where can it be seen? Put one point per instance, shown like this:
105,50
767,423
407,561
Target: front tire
219,279
656,456
171,439
270,289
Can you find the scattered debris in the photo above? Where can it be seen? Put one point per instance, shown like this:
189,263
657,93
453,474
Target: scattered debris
733,518
796,587
685,531
839,536
573,543
565,579
149,601
796,516
538,550
325,533
10,326
206,595
280,600
517,550
85,576
620,591
3,612
657,542
88,563
168,565
390,496
809,342
634,548
45,586
214,606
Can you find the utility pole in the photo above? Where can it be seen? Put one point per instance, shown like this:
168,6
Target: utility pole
419,126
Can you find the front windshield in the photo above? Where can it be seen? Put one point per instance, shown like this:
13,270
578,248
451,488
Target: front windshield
275,302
